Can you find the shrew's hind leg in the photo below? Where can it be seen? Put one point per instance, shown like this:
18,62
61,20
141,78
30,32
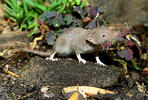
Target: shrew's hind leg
52,57
98,59
80,59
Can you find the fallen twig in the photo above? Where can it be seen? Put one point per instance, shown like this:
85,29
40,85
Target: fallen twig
27,95
5,69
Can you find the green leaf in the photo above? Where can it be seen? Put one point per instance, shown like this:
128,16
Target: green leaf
56,23
124,64
134,65
35,4
33,32
13,19
23,23
31,26
14,5
25,8
104,22
68,19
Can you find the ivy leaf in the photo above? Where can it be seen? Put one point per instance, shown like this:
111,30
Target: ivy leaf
77,9
100,10
50,37
49,14
68,19
96,10
126,53
77,22
52,17
91,24
55,22
93,11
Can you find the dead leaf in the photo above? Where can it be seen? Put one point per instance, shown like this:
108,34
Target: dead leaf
74,96
145,70
84,90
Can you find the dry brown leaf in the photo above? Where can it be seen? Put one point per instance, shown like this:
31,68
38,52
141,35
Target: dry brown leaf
145,70
74,96
86,90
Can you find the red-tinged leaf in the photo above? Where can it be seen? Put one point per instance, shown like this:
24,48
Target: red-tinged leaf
86,19
139,49
131,43
126,31
40,21
93,11
145,70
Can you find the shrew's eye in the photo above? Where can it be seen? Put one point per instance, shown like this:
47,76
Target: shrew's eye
103,35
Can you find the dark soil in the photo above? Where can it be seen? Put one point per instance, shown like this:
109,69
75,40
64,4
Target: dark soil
35,72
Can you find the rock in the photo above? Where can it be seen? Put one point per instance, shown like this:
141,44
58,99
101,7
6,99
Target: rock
14,40
134,12
3,94
70,72
135,76
66,72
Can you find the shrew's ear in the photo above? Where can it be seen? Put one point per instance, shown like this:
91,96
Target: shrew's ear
90,38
